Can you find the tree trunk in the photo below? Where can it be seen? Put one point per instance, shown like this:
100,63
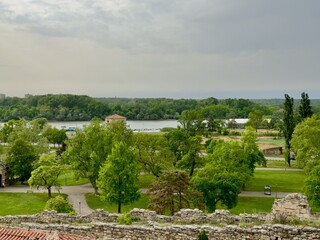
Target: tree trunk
49,191
119,207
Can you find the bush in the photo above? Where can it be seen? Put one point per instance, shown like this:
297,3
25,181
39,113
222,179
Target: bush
126,219
59,204
202,235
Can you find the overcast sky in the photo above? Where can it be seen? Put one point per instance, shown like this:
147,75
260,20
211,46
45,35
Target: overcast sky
160,48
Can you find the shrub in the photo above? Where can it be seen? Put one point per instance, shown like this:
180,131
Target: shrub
59,204
126,219
202,235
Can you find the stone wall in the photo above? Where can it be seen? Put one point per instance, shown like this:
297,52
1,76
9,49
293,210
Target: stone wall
185,224
292,206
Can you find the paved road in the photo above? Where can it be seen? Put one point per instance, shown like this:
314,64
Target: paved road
275,158
280,169
76,194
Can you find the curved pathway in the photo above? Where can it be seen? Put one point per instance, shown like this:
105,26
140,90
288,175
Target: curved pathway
76,194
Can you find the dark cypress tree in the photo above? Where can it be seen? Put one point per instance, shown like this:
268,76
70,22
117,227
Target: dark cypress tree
305,107
288,125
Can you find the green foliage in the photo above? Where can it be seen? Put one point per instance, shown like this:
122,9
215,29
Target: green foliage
255,119
154,154
223,176
126,219
54,135
192,121
252,153
306,142
305,110
177,141
118,176
288,125
172,191
312,187
60,107
47,173
202,235
192,158
20,158
67,107
88,150
59,204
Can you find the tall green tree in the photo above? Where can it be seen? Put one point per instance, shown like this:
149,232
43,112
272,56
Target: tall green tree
253,155
173,191
305,143
255,119
305,110
87,151
177,140
288,126
192,158
118,176
21,157
54,135
223,176
46,173
193,121
154,155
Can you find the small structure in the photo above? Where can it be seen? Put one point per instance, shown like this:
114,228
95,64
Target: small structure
4,176
273,151
115,117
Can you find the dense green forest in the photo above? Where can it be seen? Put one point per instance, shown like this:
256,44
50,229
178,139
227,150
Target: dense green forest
67,107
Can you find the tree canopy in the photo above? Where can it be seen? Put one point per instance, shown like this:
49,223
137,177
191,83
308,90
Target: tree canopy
173,191
306,141
46,173
288,126
118,176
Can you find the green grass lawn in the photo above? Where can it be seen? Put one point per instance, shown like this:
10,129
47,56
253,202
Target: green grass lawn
95,202
279,164
280,181
67,178
22,203
251,205
279,142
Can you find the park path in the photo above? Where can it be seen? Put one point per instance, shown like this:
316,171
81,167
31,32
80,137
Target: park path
76,194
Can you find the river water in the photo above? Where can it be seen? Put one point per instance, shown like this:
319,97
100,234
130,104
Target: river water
136,126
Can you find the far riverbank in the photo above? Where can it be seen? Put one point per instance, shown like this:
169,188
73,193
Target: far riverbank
136,126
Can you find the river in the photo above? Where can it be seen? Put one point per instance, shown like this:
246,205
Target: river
136,126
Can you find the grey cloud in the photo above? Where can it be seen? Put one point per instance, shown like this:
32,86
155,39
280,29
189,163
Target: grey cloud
210,26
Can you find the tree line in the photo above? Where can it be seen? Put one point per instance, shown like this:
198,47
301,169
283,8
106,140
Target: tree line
67,107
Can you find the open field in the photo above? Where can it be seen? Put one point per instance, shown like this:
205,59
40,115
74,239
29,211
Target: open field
280,181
